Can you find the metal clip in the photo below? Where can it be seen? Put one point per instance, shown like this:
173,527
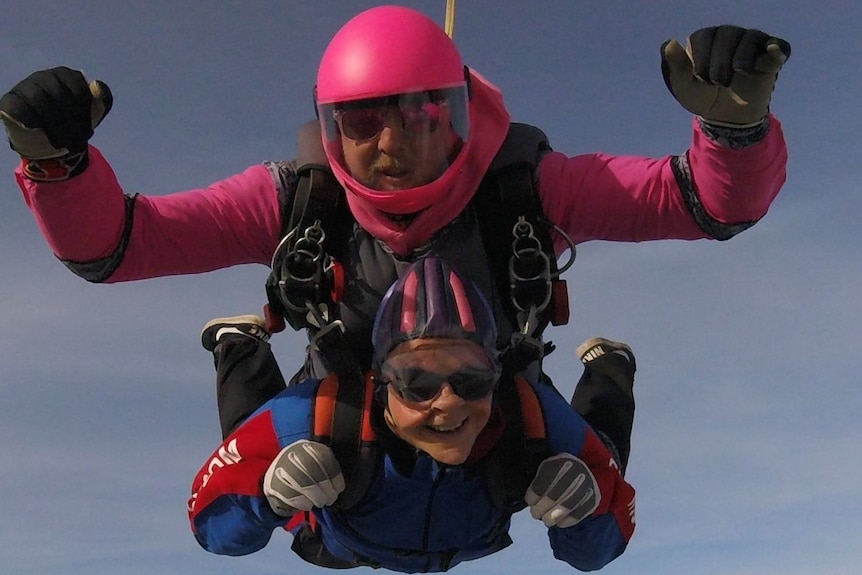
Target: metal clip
529,270
304,268
527,347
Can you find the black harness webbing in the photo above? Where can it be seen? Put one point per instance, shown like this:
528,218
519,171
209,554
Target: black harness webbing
518,244
511,467
319,196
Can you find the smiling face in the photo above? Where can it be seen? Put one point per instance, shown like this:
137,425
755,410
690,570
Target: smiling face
446,425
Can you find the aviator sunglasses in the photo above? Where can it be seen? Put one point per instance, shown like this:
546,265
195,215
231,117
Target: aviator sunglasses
365,119
418,385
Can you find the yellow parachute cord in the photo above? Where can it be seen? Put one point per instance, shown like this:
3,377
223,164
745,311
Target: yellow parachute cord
449,27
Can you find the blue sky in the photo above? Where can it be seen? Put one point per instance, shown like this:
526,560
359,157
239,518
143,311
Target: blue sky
746,449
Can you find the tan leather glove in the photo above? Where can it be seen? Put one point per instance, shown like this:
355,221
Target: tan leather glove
725,74
49,117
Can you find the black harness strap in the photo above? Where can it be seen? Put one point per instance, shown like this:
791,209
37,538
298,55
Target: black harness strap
508,197
318,211
512,465
319,196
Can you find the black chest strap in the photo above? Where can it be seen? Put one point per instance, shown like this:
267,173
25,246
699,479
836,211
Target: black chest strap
511,466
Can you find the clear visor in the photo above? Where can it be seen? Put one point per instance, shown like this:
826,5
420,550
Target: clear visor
400,141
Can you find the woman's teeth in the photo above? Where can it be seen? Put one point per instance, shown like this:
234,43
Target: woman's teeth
446,428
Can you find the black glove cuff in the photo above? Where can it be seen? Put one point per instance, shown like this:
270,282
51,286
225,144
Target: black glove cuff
56,169
735,138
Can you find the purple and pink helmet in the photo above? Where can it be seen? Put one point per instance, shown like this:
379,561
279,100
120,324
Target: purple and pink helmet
431,300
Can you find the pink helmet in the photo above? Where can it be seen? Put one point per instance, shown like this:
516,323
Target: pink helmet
386,58
385,51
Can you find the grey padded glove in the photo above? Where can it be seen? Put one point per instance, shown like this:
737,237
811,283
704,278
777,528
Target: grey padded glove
304,475
726,74
563,492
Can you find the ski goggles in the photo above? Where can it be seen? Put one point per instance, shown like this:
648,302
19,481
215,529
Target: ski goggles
417,113
417,385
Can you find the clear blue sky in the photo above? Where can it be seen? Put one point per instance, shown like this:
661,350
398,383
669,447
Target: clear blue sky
747,437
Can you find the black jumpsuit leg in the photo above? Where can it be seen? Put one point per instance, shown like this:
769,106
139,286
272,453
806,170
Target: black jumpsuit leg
604,397
247,376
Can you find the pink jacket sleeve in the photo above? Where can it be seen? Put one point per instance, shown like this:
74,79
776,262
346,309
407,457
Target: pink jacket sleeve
234,221
629,198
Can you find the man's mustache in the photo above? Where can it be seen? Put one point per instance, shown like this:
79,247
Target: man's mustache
390,167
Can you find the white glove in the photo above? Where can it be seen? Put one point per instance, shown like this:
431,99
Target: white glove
563,492
304,475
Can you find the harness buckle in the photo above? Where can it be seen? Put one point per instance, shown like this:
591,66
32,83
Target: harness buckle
527,346
334,350
529,271
306,278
